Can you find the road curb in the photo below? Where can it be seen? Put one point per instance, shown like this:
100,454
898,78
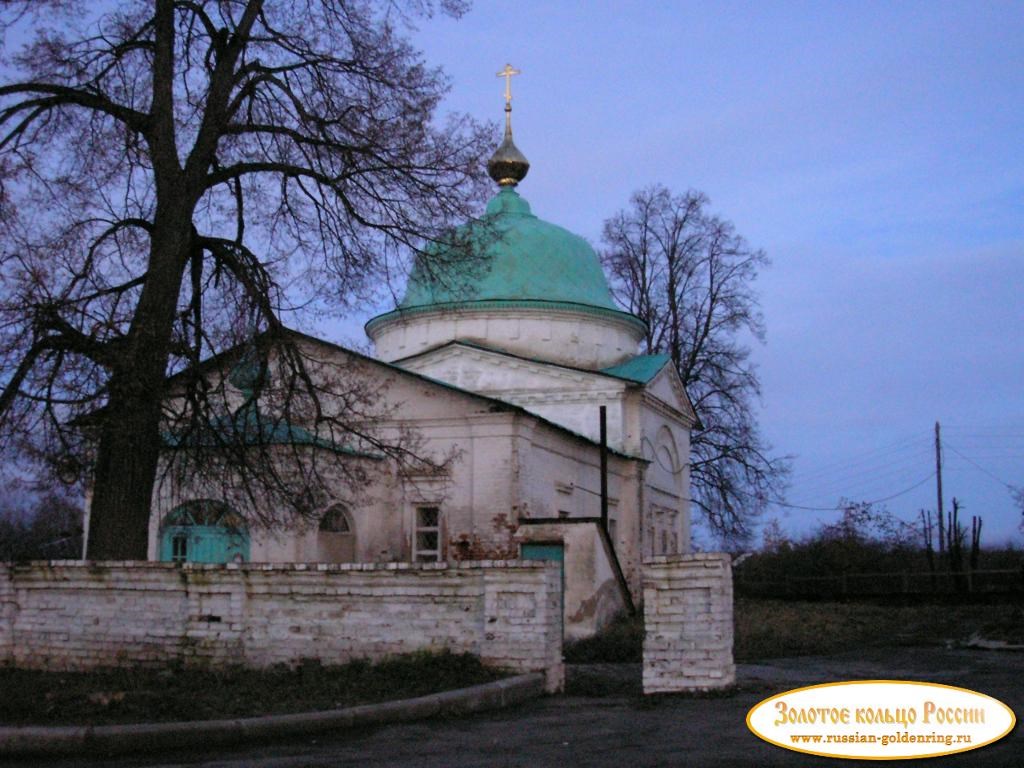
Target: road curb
152,737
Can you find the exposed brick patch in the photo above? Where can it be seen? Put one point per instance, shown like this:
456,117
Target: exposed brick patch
499,546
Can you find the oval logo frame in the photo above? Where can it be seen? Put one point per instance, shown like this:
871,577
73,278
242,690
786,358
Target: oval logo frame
880,719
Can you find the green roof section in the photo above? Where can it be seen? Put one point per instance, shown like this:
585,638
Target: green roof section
509,255
640,369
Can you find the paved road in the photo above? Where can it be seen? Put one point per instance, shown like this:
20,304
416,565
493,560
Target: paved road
605,722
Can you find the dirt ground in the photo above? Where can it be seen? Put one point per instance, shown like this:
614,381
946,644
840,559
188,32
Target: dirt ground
603,721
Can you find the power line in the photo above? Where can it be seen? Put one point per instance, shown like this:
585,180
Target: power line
987,429
907,457
978,466
905,491
911,459
911,442
886,472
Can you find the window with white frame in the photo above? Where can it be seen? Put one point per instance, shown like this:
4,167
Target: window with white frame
426,540
179,548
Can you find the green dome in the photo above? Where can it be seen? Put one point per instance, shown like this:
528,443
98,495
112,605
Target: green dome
508,257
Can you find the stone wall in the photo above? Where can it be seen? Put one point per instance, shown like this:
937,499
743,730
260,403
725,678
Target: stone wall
8,609
78,616
688,616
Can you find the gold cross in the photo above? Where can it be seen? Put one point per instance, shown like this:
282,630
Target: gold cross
507,73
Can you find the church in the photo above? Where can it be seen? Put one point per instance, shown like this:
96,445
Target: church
562,441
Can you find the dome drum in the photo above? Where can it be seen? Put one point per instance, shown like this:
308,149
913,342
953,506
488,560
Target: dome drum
559,333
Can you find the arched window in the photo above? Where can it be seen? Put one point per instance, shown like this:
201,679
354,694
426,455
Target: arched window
204,531
664,456
336,537
336,520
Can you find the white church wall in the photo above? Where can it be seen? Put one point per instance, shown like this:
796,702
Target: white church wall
573,338
562,480
477,502
559,475
661,387
626,523
563,396
448,425
277,535
579,414
666,418
593,597
666,446
506,466
666,389
503,465
75,616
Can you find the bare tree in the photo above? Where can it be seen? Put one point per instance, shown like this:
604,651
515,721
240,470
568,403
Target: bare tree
48,526
1017,494
976,523
928,535
178,175
689,276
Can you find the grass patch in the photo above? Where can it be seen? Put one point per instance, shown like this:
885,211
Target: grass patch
772,628
133,695
619,642
766,629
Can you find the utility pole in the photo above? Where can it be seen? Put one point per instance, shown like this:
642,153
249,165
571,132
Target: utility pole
604,468
938,488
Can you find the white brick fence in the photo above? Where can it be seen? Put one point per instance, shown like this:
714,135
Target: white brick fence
688,618
72,615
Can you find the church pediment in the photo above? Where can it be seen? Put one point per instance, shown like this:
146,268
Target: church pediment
666,389
478,369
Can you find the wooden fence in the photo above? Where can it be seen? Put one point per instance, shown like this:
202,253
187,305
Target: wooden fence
890,584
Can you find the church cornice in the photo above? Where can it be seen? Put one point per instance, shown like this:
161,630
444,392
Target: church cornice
533,398
657,404
584,311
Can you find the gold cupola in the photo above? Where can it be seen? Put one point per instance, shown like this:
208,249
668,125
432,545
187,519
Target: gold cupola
508,166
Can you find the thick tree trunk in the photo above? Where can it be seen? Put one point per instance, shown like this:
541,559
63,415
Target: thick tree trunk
126,465
129,443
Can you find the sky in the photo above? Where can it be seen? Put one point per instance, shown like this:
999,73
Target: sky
873,150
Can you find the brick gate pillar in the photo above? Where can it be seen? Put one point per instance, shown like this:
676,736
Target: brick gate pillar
688,623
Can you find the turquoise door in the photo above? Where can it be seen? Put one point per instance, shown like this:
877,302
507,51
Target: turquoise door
550,551
203,544
554,552
203,532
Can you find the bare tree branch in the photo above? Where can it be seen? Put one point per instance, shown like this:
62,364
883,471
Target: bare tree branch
180,177
65,96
